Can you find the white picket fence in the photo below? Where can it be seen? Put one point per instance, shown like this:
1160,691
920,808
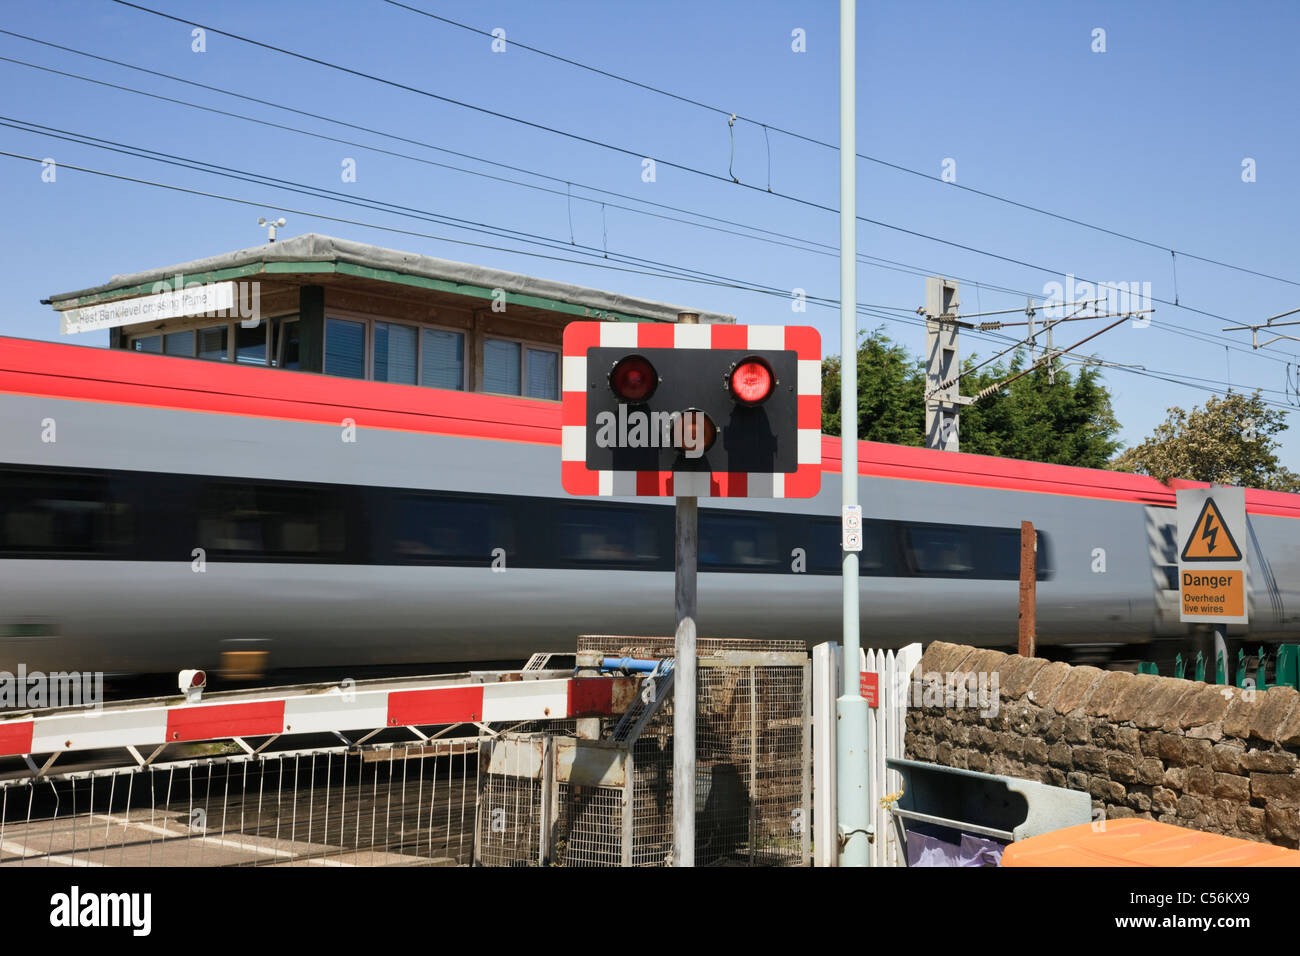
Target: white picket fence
886,724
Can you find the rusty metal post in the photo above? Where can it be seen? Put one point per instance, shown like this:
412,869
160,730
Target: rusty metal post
1028,588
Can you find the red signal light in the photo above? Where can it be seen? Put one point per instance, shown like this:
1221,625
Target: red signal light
698,432
199,679
633,379
751,381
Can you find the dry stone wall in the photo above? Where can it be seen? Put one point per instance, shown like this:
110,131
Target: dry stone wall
1184,752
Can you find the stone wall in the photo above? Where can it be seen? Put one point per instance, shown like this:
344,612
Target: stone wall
1183,752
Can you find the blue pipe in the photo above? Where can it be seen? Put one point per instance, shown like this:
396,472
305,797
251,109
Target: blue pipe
627,664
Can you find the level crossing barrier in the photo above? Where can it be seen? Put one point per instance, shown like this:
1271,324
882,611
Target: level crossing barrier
374,772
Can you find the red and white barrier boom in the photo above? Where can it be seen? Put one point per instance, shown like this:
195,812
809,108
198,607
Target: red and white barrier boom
476,698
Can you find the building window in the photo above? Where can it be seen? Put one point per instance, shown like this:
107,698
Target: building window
284,341
250,344
345,348
501,372
179,343
543,378
214,343
442,359
510,368
148,343
395,347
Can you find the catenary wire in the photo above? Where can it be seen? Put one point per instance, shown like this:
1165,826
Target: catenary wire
799,200
767,125
1167,377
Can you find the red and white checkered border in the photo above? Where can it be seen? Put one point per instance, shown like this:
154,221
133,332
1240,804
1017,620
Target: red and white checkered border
251,715
577,479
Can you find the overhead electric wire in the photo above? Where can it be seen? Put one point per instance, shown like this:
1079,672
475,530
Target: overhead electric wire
766,125
704,173
777,236
412,212
676,272
820,301
621,149
796,199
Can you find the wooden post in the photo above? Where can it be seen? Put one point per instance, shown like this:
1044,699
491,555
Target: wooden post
1028,587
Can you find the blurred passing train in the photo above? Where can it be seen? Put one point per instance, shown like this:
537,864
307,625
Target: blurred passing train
159,513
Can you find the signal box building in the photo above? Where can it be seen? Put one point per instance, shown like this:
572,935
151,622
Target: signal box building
332,306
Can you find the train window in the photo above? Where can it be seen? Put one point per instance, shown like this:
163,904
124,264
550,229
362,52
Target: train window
212,343
272,521
442,359
738,542
939,550
998,556
395,347
179,343
435,528
602,534
52,513
1001,555
821,541
345,348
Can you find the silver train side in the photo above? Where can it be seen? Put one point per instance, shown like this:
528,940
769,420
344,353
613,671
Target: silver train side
124,616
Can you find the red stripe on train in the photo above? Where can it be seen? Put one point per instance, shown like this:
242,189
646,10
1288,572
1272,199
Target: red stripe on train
114,376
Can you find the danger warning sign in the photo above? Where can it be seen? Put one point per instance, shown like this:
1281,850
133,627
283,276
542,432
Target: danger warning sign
1211,539
1215,593
1211,563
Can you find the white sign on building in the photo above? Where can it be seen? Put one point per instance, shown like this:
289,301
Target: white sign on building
197,299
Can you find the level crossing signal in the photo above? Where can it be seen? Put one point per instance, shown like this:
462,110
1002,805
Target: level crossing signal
703,410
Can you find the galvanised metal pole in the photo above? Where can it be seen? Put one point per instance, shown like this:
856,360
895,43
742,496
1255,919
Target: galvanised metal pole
684,643
851,709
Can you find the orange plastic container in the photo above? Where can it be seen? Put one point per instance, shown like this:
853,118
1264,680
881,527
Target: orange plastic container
1136,842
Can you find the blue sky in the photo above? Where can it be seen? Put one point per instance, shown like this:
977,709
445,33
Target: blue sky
1147,138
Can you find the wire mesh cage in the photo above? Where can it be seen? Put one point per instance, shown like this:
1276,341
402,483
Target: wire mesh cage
570,801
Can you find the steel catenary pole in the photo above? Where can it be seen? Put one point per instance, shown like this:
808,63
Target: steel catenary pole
852,787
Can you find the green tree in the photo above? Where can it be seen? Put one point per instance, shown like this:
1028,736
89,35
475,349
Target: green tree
1230,440
1066,421
1059,418
891,390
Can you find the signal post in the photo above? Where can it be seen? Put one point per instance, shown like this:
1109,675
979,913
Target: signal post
690,411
